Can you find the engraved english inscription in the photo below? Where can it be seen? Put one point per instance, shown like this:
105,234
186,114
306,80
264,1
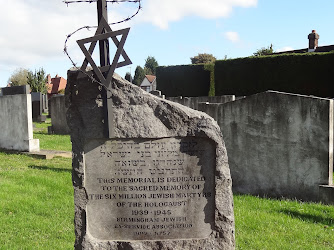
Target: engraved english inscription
155,189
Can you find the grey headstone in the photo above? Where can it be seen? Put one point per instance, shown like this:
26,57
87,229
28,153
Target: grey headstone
44,103
16,90
161,182
36,96
36,110
283,133
58,116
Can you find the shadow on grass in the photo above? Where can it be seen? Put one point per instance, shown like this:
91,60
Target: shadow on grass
309,217
41,131
52,169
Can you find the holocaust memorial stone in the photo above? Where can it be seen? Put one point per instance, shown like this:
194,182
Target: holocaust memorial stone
160,182
153,189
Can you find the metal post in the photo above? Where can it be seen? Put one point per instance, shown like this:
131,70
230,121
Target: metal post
104,61
104,45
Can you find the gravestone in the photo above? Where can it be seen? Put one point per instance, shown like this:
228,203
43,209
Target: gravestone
45,103
16,123
37,96
37,107
58,116
161,181
283,133
16,90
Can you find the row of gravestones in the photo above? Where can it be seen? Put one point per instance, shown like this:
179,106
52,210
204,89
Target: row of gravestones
239,126
41,105
158,183
286,141
39,100
162,180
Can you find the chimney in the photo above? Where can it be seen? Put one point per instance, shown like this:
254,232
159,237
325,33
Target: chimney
313,40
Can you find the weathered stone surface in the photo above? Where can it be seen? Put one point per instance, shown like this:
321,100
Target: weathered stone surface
161,182
58,115
286,142
16,123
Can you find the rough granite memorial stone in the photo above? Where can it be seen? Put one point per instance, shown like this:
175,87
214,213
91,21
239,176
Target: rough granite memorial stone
161,181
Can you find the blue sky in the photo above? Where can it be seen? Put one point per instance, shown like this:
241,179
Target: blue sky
33,32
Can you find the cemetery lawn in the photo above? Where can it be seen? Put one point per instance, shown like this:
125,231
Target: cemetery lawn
51,142
37,209
36,203
282,224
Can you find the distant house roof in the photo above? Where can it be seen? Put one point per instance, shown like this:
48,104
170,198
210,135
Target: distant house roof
313,46
319,49
56,84
150,78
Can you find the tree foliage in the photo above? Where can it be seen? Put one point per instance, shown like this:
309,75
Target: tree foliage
150,65
139,76
19,77
203,58
128,77
37,81
264,51
148,71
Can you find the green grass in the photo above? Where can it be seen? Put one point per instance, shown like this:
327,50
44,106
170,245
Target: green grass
43,125
37,209
51,142
282,224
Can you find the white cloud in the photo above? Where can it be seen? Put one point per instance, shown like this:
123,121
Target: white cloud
161,12
33,32
232,36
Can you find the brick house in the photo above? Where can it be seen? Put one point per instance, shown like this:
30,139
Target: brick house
55,85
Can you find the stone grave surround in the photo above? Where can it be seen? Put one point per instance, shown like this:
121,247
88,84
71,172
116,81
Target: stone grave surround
161,182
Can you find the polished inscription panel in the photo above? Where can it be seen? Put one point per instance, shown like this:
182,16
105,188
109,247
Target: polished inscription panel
150,189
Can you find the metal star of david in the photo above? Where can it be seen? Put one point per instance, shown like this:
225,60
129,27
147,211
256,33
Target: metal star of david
102,36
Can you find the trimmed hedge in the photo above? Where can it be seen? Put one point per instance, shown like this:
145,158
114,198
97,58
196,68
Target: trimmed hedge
307,74
211,69
186,80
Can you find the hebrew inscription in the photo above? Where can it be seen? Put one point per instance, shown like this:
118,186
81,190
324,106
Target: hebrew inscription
150,189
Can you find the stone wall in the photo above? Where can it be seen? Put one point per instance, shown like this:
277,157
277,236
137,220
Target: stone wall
58,115
16,123
279,144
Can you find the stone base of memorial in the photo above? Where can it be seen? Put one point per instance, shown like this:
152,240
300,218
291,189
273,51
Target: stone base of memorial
161,181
